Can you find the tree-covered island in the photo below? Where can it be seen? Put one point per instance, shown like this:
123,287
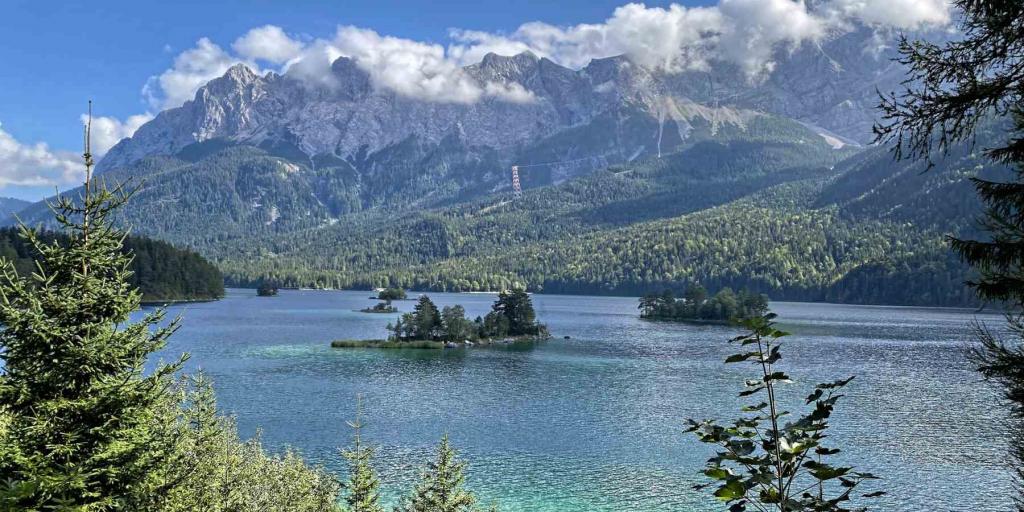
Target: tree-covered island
512,318
266,289
385,296
380,307
696,306
389,294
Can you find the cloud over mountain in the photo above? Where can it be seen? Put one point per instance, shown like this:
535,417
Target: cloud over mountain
746,33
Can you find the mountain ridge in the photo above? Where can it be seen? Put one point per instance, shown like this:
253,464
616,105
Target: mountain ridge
826,85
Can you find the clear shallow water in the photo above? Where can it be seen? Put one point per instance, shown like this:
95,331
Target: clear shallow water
594,423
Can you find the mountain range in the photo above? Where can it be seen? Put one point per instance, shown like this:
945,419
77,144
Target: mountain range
635,178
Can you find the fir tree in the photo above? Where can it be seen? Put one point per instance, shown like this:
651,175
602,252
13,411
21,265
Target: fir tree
84,428
953,90
442,486
516,306
427,319
363,486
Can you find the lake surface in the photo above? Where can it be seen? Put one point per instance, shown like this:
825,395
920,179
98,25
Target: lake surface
595,423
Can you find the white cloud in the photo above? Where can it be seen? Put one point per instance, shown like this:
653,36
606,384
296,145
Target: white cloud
902,14
747,33
671,38
409,68
192,69
418,70
268,43
403,66
36,164
107,131
744,32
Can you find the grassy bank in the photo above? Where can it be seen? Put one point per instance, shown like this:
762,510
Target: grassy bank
428,344
386,344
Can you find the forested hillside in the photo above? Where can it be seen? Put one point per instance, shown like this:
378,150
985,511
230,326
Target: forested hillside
754,222
11,205
161,271
773,207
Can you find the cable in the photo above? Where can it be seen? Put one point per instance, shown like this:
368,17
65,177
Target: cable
558,162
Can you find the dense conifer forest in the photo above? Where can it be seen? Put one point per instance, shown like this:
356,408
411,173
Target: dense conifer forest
161,271
773,209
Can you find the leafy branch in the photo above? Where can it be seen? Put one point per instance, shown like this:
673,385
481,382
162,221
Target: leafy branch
768,465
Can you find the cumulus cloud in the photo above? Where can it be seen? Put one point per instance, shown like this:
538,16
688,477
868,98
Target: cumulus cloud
417,70
902,14
36,164
747,33
192,69
268,43
409,68
107,131
743,32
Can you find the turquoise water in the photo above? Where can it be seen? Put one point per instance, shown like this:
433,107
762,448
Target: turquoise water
595,422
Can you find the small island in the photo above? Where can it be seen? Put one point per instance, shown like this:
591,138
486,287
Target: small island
512,319
380,307
266,289
389,294
385,296
695,305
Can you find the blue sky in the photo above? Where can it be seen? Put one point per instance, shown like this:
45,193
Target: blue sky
57,55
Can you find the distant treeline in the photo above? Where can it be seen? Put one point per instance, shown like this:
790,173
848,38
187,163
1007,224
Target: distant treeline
161,271
695,304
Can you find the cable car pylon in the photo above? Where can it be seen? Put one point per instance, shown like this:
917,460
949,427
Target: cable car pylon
517,189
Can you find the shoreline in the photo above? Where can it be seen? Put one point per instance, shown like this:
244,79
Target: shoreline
563,294
170,302
437,345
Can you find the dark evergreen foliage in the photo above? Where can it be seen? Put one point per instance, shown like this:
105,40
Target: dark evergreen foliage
159,270
511,315
953,90
266,289
724,306
390,294
83,426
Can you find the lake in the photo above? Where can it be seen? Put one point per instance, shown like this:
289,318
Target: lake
595,422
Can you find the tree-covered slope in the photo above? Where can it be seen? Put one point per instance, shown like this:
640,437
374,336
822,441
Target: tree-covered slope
771,206
11,205
161,271
868,230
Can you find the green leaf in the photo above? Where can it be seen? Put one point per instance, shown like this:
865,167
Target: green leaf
779,376
753,408
732,490
825,471
748,392
737,358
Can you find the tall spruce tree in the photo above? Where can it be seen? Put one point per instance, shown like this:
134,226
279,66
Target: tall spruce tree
362,491
516,306
84,423
953,90
442,486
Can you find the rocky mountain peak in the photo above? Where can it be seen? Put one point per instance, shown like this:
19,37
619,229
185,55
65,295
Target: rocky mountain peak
830,86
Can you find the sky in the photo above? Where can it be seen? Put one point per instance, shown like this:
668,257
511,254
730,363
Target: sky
136,58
